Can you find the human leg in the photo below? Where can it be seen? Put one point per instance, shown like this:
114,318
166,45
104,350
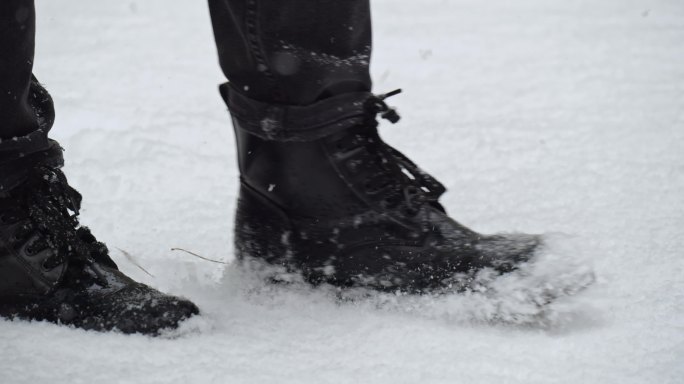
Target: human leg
296,51
17,30
51,268
321,193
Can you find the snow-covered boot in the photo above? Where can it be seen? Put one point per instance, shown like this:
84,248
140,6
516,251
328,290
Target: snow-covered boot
53,269
321,194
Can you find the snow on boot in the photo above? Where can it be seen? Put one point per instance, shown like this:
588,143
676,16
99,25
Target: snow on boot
52,269
323,196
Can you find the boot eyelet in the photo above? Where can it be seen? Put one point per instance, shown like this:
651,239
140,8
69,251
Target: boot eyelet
389,204
411,212
29,251
412,190
48,265
45,266
368,189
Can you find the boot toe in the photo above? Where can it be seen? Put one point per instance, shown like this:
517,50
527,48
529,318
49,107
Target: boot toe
504,252
137,309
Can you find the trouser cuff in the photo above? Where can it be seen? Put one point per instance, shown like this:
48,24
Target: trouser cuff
19,155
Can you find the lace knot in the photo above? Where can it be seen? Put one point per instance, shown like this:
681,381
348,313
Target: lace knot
376,105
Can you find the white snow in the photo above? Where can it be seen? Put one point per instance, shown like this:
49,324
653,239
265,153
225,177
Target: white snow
538,115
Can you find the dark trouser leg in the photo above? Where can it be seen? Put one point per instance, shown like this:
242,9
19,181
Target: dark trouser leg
51,268
17,30
26,111
293,51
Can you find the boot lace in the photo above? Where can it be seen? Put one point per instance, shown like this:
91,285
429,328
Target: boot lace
52,207
388,172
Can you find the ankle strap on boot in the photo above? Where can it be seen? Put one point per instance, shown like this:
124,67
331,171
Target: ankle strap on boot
282,122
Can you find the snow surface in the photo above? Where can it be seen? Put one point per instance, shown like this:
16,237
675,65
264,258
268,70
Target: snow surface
538,115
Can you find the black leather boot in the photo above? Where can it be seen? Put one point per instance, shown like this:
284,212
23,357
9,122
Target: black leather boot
52,269
322,195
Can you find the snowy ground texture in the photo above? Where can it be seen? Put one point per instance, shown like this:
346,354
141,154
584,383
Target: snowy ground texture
539,116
